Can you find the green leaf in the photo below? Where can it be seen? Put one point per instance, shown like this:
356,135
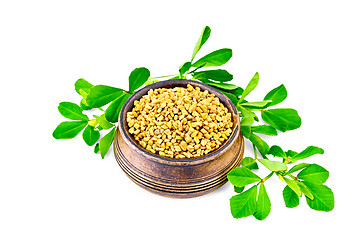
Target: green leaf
323,197
215,58
308,152
244,204
256,105
225,86
232,97
293,185
314,174
90,135
101,95
245,113
96,148
185,67
260,144
249,163
242,176
251,85
305,190
264,129
105,142
277,95
273,166
67,130
103,122
297,167
291,199
245,126
236,92
83,105
263,204
238,189
283,119
217,75
248,121
205,34
72,111
277,151
137,78
291,153
84,85
113,111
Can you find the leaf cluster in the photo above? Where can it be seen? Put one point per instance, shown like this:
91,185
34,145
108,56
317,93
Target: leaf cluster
257,118
255,200
97,97
309,181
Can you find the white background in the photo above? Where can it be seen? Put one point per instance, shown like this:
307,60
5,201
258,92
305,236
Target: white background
59,189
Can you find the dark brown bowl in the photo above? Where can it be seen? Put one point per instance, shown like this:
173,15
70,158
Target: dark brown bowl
180,178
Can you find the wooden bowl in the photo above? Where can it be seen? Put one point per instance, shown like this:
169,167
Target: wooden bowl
179,178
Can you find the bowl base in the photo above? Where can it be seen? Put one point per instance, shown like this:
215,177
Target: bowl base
171,187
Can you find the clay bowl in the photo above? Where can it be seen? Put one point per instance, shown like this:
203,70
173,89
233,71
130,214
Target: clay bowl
179,178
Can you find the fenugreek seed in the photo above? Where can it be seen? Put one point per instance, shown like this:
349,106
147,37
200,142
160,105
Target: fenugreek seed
190,148
193,134
159,149
143,144
131,130
183,145
188,138
184,122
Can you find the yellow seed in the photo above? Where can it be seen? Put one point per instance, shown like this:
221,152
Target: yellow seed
190,148
179,122
131,130
188,138
194,134
183,145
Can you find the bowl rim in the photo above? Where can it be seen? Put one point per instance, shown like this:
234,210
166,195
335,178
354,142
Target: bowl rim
167,160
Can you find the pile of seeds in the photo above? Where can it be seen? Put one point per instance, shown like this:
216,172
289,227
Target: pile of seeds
179,122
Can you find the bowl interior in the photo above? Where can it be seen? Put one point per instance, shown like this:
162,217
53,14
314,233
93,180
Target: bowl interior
129,105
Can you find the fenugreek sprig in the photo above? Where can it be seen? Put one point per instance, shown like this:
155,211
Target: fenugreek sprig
301,179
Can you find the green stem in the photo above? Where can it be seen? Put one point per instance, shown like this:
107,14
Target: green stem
173,75
196,69
266,178
255,152
294,178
